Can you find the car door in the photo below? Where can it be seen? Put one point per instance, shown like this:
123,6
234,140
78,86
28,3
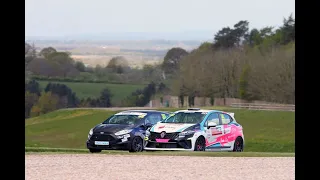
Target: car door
213,133
226,139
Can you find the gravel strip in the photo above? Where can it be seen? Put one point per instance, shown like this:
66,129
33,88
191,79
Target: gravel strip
116,167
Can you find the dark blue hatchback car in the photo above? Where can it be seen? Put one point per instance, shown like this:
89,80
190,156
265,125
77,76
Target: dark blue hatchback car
124,130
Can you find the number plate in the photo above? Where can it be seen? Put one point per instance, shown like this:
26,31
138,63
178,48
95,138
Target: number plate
101,143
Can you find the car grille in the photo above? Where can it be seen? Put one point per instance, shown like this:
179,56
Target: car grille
186,144
102,137
171,136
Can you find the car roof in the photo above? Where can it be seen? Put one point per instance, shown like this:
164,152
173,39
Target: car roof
198,110
206,111
146,111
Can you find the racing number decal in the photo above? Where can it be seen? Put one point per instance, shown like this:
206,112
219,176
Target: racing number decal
216,131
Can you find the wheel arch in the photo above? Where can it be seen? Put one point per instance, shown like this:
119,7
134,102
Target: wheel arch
200,136
131,141
238,137
242,139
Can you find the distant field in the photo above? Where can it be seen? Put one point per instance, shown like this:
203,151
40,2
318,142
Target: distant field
134,60
265,131
85,90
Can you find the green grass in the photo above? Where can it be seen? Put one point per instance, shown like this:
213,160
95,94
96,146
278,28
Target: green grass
85,90
32,150
264,131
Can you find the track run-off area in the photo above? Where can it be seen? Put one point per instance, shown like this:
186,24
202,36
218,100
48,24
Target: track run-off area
55,149
78,166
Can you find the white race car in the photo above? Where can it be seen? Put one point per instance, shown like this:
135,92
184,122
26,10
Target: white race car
196,130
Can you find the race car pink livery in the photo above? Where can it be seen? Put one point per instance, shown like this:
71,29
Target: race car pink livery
197,130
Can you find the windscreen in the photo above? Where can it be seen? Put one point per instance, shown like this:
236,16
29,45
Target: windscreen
125,118
185,117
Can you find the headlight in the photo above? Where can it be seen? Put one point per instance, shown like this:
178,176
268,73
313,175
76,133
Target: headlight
147,133
126,131
90,133
186,133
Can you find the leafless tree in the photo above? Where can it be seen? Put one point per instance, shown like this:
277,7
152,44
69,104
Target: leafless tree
271,75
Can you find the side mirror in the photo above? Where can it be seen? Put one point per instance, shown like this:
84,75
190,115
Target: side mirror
211,124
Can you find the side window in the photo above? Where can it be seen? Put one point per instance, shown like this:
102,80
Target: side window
225,118
213,118
153,118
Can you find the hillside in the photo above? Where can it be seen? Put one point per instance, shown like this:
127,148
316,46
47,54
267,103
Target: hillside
265,131
92,90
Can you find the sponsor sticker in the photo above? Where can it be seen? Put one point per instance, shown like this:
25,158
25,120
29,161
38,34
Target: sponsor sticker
227,130
216,131
231,137
142,116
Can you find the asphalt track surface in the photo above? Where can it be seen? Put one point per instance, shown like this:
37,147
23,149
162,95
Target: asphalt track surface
129,167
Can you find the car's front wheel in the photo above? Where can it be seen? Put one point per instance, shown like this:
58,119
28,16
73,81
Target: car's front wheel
238,145
136,145
95,150
200,144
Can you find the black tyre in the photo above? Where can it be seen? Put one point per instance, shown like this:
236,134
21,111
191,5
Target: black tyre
95,150
136,145
238,145
200,144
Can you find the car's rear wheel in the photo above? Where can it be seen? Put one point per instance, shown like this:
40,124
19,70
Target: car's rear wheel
95,150
238,145
136,145
200,144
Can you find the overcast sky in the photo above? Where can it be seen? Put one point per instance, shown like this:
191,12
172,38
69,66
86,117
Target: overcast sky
72,17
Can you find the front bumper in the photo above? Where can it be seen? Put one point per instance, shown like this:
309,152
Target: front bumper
115,143
171,142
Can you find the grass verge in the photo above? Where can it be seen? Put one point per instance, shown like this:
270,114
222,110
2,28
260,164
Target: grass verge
264,131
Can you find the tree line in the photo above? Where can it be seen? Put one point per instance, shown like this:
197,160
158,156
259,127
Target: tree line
257,64
57,96
49,64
